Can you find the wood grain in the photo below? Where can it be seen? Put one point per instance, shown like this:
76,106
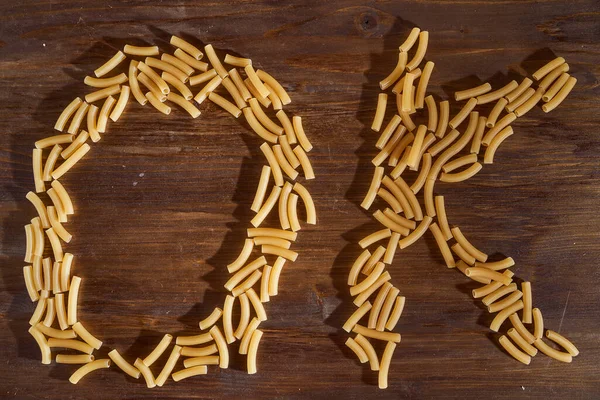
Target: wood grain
162,202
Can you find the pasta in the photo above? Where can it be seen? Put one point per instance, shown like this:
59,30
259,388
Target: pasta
527,302
203,360
163,108
463,175
169,366
74,358
65,200
71,344
513,351
416,234
443,119
200,351
380,112
357,316
488,157
563,342
102,93
422,87
502,304
560,96
459,162
432,113
72,302
221,345
444,143
396,313
523,86
489,288
463,113
273,83
476,144
443,245
225,104
361,298
355,347
410,40
123,364
206,76
86,336
505,313
396,73
42,344
420,53
28,276
38,234
530,103
538,323
304,162
177,84
473,92
413,158
87,368
258,128
547,68
391,248
109,65
550,352
185,104
513,105
300,134
498,293
77,143
384,366
367,347
92,119
55,243
38,313
252,350
372,333
235,93
67,113
227,318
146,373
191,61
487,273
386,309
521,342
78,117
369,280
555,88
65,271
40,208
498,127
407,93
377,304
373,260
237,61
245,314
442,218
120,106
208,321
55,333
166,67
51,161
373,188
497,265
274,276
70,162
178,63
552,76
497,94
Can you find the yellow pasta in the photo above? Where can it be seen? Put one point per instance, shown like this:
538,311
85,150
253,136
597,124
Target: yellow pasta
86,336
110,64
547,68
163,108
422,87
513,105
300,134
121,103
263,118
166,67
497,94
413,158
247,283
78,118
488,273
505,313
396,313
378,304
304,162
476,143
265,101
221,345
390,250
379,112
459,162
386,309
488,157
369,351
253,350
51,161
523,86
62,194
375,237
258,128
357,349
38,313
280,233
553,353
209,321
72,302
74,359
169,366
552,76
40,208
28,276
146,373
530,103
527,302
407,93
356,316
463,113
560,96
462,267
105,82
416,234
55,243
362,297
443,119
372,333
489,288
410,40
384,366
555,88
185,104
104,113
92,119
181,88
563,342
71,344
373,260
38,239
506,302
373,188
400,193
420,53
497,265
50,313
498,127
272,160
77,143
200,351
227,318
444,143
237,97
224,104
134,85
66,114
538,323
275,85
463,175
311,213
472,92
389,223
102,93
396,73
513,351
43,345
443,245
521,342
87,368
196,339
189,60
389,129
65,271
495,113
208,76
178,63
357,266
123,364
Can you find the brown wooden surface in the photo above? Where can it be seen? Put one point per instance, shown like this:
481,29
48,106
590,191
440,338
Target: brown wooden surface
162,202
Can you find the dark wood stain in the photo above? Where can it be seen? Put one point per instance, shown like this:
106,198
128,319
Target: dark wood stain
162,202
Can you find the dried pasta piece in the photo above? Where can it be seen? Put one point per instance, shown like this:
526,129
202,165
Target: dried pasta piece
488,273
410,40
372,333
563,342
181,88
304,162
463,113
476,143
367,347
432,113
51,161
42,343
110,64
547,68
396,73
521,342
146,373
253,350
355,347
443,245
72,301
416,234
40,208
264,118
472,92
384,366
163,108
259,309
225,104
209,321
87,368
373,260
300,134
527,302
497,265
552,76
373,188
560,96
257,127
379,112
378,304
66,114
364,296
77,143
86,336
74,358
208,89
275,85
200,351
65,271
505,313
280,233
196,339
375,237
514,351
442,219
497,94
420,53
396,313
169,366
78,118
274,276
105,82
523,86
555,88
266,207
244,316
498,127
356,316
178,63
391,248
71,344
552,353
206,76
369,280
55,243
386,309
538,323
102,93
400,195
216,63
506,302
463,175
413,158
187,47
489,288
248,335
488,157
221,345
123,364
422,87
272,160
191,61
166,67
513,105
443,119
39,241
529,103
185,104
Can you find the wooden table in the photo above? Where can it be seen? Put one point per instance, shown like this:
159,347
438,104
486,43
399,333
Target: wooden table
162,202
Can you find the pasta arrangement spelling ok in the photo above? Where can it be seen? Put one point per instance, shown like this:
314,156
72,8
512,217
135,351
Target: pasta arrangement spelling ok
166,81
447,149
